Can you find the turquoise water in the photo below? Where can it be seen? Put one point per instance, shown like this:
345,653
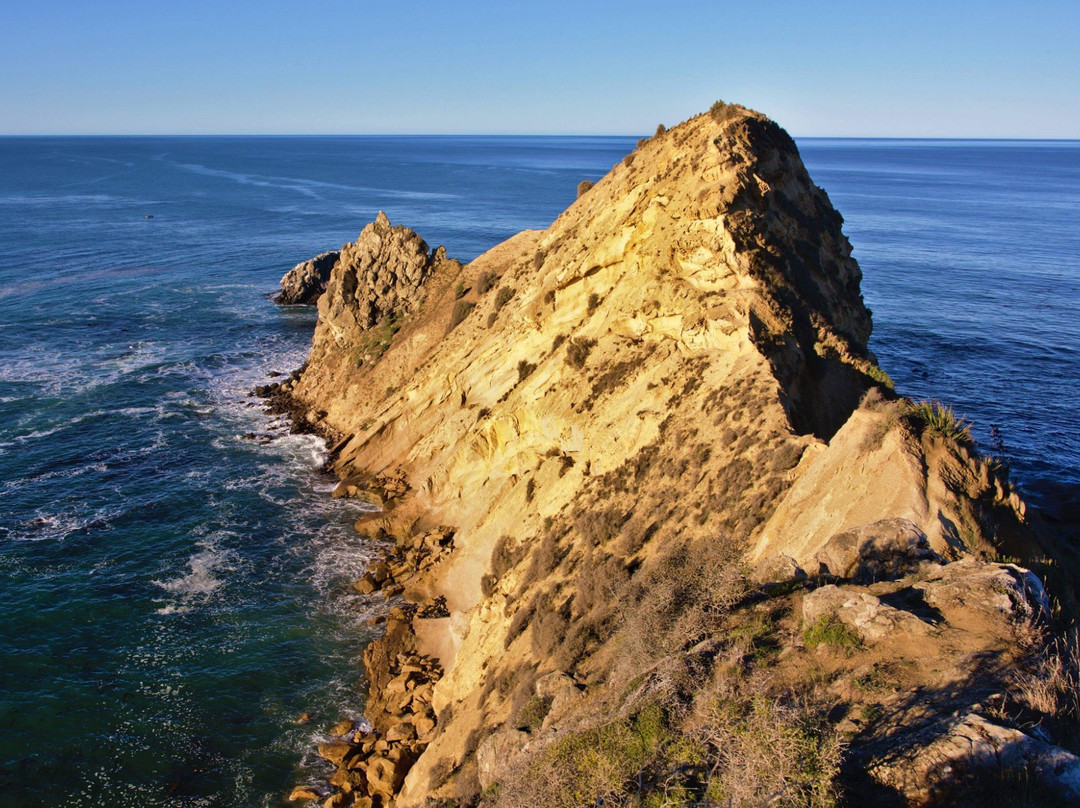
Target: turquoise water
173,593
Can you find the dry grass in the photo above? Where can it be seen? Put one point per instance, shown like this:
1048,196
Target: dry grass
767,753
1052,684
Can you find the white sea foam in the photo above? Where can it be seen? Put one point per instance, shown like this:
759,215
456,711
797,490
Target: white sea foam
58,525
205,570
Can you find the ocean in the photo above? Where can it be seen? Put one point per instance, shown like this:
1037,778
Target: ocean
174,577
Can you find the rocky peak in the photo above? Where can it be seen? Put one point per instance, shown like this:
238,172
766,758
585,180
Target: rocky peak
612,416
377,281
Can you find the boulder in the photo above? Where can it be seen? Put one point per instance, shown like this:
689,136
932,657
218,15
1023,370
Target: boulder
366,585
385,776
348,780
560,691
305,282
777,569
343,727
303,793
883,550
871,619
335,751
995,589
973,746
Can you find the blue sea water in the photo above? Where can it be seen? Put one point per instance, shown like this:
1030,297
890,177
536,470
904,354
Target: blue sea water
173,593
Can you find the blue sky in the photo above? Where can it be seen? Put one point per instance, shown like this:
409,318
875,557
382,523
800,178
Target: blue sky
904,69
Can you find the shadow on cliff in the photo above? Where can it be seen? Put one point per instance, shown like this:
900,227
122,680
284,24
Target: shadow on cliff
897,740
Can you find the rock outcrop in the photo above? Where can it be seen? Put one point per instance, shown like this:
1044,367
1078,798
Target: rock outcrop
617,417
305,282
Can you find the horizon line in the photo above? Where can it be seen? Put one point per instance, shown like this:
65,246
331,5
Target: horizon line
13,135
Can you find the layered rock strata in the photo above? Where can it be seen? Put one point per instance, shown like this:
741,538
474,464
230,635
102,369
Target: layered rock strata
677,483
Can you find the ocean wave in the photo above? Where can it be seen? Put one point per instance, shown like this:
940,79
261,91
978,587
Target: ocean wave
57,526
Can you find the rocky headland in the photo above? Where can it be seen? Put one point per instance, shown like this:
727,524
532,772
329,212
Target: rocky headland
658,531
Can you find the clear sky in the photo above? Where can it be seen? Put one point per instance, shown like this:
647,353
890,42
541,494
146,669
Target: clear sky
819,67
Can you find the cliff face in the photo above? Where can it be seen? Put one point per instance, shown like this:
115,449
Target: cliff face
639,426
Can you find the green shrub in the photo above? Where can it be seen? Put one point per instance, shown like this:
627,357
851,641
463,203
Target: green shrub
374,342
534,712
594,303
880,376
485,281
584,186
660,129
829,630
460,312
628,160
765,753
578,351
459,290
604,765
503,297
722,113
940,420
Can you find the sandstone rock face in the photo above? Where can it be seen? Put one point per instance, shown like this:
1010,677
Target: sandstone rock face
612,414
305,282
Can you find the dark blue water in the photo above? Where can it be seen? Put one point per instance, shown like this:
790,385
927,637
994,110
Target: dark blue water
173,594
970,254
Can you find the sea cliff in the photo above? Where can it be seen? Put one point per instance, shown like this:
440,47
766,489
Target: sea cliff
657,527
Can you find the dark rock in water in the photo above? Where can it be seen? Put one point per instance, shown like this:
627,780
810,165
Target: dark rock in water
149,216
306,281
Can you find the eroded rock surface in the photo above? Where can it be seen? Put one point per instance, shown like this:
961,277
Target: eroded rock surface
305,282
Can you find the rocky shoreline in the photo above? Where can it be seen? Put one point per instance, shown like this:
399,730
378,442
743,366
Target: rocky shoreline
371,761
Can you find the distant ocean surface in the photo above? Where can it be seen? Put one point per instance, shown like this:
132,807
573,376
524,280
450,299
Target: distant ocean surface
174,593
